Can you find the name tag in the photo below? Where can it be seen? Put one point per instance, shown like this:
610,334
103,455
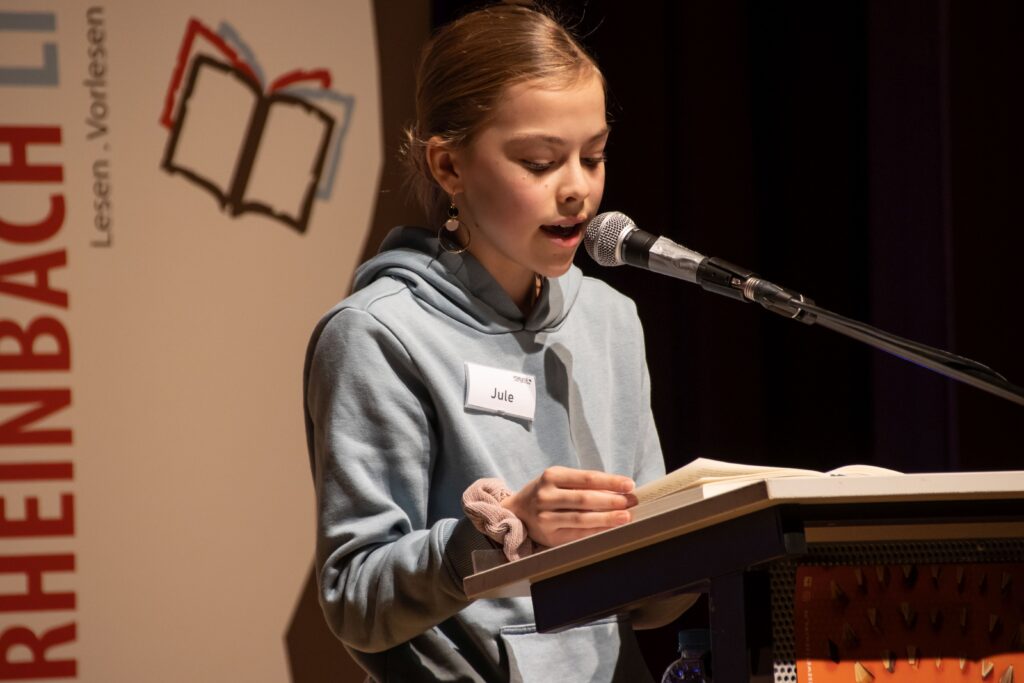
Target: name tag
500,391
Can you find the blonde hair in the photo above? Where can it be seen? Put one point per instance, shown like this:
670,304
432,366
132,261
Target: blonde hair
465,68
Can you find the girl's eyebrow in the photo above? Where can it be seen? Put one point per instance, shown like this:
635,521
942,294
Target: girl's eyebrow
554,139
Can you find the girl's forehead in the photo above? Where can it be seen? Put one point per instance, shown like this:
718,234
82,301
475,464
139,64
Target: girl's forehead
557,109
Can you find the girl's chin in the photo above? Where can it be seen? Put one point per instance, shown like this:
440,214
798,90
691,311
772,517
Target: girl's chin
556,269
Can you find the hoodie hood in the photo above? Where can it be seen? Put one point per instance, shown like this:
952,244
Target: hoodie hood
459,287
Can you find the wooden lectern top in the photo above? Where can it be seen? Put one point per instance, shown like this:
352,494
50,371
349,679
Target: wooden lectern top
889,504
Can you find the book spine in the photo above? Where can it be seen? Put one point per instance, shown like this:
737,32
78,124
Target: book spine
247,156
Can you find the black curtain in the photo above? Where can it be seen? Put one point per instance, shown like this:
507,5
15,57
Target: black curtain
861,153
866,154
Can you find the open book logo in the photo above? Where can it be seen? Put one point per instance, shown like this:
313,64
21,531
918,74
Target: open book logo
257,147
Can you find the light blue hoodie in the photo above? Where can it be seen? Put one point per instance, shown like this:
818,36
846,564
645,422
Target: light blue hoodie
393,446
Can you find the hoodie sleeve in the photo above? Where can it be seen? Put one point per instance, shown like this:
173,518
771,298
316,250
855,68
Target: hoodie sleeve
384,576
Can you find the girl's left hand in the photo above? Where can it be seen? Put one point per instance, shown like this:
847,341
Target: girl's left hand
564,504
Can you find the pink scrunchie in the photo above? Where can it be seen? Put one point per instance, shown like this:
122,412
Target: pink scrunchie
482,505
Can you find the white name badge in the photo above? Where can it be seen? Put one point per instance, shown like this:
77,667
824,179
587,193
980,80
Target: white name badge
500,391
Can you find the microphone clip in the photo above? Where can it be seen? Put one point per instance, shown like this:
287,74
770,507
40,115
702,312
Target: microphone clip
722,277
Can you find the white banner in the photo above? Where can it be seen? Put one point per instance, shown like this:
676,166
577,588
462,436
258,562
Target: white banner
184,188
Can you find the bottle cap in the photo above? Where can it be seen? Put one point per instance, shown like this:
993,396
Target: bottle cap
696,640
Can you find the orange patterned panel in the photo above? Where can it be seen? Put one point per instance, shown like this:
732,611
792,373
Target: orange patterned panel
927,622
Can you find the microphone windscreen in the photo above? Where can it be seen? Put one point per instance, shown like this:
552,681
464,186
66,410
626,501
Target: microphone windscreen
604,235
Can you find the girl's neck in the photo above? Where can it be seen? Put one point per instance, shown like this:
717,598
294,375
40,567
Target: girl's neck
532,295
524,292
522,286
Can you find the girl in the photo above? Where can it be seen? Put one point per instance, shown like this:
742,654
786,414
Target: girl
476,391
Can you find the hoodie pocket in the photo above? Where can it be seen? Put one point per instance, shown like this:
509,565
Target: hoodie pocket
604,651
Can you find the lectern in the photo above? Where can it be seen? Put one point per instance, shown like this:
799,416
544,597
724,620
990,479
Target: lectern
745,548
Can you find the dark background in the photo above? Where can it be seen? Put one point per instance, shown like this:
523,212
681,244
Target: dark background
862,153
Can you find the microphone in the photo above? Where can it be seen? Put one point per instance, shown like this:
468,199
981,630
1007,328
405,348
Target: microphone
612,239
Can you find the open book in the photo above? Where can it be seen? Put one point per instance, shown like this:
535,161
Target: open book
704,478
695,481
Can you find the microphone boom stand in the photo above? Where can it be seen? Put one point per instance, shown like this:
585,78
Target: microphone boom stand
725,278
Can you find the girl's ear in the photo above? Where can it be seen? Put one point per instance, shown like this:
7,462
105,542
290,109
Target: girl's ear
444,165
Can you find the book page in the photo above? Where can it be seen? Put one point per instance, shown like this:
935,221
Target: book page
705,471
677,499
211,125
861,471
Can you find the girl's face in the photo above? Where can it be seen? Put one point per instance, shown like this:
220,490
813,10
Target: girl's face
531,178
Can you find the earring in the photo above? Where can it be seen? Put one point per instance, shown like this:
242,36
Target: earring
452,225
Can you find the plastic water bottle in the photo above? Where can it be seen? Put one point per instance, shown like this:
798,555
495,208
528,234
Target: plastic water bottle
691,667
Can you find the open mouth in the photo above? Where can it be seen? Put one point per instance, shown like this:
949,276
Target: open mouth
563,231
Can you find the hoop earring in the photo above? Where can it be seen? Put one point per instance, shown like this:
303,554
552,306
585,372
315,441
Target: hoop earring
452,225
